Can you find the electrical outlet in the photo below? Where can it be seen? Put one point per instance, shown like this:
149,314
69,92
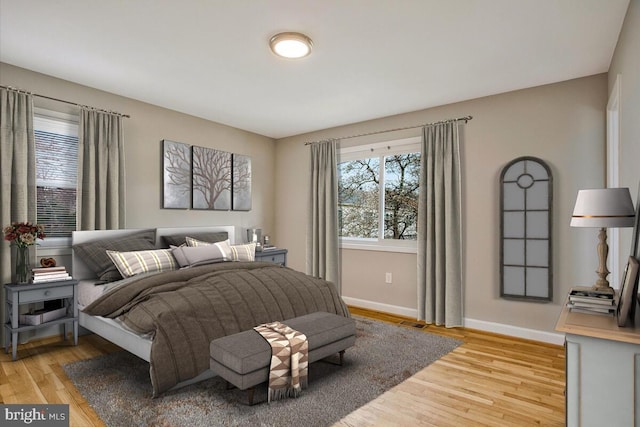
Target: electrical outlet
388,278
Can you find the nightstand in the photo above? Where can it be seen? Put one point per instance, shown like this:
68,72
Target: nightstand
602,373
276,256
17,295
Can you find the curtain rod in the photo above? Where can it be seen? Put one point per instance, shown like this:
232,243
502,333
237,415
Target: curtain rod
66,102
465,119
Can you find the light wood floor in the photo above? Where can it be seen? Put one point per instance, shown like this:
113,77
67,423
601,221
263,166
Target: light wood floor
490,380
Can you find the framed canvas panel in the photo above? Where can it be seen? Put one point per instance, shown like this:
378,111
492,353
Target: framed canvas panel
241,183
176,170
211,179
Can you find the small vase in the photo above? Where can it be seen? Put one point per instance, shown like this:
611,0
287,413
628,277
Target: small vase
22,264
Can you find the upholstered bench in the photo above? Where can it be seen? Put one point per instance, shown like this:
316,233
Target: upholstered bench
243,359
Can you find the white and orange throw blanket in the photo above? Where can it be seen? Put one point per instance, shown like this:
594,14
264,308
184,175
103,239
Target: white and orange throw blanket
289,360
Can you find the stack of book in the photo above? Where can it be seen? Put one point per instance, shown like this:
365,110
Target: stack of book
592,301
50,274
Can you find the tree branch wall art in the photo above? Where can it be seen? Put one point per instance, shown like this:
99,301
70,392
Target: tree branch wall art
241,183
177,175
205,178
211,179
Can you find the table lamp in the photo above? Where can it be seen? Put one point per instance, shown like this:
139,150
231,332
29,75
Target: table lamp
603,208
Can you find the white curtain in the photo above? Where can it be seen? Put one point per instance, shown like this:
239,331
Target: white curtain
439,227
323,258
17,173
101,190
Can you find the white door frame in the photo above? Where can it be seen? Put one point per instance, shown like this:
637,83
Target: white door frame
613,174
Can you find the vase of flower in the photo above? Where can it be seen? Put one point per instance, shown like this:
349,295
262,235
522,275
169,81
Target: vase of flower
22,235
22,264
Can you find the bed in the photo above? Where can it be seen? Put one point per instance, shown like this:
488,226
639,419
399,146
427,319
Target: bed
168,318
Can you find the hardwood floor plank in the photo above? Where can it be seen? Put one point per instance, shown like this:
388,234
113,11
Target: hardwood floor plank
489,380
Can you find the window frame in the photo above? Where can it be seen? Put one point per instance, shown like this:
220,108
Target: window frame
381,150
63,124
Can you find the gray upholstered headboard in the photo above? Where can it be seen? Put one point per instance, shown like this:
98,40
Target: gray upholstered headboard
80,271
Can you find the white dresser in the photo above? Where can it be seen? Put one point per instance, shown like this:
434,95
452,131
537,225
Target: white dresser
603,370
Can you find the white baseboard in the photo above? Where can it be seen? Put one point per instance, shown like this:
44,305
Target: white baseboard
482,325
515,331
378,306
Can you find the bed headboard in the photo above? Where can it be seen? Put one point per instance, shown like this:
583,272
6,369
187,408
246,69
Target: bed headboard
80,271
168,231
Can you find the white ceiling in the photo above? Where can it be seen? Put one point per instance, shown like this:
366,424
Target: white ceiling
371,58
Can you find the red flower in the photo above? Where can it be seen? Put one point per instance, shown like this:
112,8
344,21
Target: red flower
23,233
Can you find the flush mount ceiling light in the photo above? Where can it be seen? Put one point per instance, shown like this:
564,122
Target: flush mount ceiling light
291,45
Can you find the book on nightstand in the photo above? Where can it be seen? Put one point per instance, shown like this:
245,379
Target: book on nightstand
49,274
587,300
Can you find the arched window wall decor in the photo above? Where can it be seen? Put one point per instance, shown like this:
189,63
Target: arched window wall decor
526,194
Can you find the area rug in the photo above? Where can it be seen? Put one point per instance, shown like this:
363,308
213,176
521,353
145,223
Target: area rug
118,388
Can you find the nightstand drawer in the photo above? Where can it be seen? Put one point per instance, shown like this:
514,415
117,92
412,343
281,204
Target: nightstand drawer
276,258
45,294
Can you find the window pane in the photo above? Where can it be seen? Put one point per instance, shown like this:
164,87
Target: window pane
359,198
401,178
56,181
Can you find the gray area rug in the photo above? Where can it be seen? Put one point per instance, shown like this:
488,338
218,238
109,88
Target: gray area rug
118,388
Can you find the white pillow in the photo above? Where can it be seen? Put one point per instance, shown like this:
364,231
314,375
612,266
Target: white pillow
199,255
137,262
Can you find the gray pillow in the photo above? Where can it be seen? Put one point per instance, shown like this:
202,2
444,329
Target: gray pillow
199,255
211,237
94,254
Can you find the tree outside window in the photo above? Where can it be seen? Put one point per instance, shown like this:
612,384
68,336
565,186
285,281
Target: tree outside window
360,201
402,175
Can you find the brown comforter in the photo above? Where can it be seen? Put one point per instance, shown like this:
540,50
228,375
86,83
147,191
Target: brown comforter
186,309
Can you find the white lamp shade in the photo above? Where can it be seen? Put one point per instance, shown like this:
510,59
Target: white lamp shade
603,208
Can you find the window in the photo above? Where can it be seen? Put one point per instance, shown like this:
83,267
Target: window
378,194
56,137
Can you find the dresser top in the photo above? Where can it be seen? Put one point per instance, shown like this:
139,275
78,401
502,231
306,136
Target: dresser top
596,326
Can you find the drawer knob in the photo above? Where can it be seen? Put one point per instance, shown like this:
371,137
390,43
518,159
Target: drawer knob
47,293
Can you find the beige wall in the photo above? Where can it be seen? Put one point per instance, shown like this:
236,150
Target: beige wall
144,131
563,123
626,63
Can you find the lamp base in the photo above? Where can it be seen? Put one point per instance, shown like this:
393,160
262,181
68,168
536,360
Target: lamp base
602,288
603,252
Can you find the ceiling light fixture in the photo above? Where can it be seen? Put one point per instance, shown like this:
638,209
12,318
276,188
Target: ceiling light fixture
291,45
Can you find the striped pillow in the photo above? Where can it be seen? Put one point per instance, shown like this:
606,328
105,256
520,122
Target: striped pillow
234,253
223,245
243,252
137,262
196,242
